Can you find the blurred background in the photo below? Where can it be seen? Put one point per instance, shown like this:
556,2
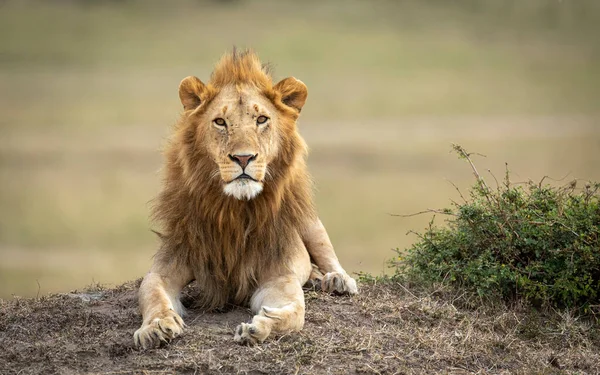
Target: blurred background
88,92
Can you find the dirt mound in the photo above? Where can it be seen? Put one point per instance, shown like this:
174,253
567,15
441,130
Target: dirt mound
384,330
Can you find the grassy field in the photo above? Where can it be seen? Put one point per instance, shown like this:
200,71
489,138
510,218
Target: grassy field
88,92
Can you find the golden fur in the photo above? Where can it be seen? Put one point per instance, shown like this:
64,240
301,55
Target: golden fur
231,241
254,244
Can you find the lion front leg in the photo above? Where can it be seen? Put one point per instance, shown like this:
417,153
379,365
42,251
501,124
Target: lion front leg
278,303
279,308
160,305
322,253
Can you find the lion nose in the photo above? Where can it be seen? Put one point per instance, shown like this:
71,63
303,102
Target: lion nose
242,160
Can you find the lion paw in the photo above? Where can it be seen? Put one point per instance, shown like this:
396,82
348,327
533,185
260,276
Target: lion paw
250,334
158,331
337,282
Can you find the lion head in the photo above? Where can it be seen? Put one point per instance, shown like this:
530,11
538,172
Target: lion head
242,121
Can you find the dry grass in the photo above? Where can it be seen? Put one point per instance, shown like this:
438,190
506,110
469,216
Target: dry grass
387,329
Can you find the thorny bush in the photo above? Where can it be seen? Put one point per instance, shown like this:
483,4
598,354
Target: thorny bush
535,242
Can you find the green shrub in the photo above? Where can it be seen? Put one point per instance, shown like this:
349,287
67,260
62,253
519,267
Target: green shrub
533,242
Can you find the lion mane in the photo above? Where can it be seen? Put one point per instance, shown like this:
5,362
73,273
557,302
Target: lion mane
232,244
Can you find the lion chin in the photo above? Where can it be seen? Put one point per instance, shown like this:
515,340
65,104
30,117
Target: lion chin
243,189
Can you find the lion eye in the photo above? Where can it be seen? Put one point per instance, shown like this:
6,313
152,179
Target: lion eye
219,121
261,120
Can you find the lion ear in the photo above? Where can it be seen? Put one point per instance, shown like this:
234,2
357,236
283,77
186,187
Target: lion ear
190,92
293,92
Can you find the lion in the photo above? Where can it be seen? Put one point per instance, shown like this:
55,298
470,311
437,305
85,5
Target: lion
236,209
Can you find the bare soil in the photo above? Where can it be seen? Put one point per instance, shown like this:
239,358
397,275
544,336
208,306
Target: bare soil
387,329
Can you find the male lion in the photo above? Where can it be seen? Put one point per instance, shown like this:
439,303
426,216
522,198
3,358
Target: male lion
236,209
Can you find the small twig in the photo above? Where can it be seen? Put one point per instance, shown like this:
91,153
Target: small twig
550,178
443,212
495,179
463,153
552,222
407,291
372,369
457,189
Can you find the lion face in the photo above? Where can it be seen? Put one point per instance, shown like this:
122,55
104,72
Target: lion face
242,128
242,138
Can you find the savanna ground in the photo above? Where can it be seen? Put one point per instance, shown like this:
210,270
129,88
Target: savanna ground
387,329
88,91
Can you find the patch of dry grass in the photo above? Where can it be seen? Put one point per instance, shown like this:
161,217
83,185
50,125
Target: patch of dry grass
387,329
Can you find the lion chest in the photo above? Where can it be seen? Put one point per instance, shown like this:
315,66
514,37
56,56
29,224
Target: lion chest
229,265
